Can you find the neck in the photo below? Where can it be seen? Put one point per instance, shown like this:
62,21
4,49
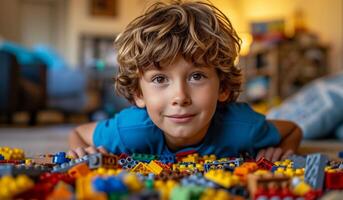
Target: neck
178,143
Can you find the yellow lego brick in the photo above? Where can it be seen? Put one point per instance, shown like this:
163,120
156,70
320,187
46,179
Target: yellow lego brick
18,154
141,168
12,154
165,188
199,167
223,178
7,155
182,168
299,172
210,194
209,158
10,186
84,189
191,158
261,171
301,189
155,168
133,183
278,163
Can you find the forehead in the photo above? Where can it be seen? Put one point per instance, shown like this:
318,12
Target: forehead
178,61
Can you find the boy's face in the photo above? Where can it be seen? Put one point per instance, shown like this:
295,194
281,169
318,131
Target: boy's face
181,100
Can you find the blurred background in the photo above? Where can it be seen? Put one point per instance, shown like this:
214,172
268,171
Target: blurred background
57,64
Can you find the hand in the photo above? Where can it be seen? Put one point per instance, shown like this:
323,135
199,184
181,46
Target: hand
274,154
80,151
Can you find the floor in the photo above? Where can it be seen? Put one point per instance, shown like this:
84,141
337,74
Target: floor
37,140
53,138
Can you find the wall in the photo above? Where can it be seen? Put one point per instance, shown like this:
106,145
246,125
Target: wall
9,19
14,19
326,18
80,22
323,17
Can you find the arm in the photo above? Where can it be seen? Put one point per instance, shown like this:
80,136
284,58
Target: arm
81,141
291,136
82,136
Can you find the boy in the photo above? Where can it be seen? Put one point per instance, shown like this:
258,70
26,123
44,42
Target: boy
177,66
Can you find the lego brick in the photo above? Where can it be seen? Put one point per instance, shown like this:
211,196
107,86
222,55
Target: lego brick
127,163
64,167
155,167
142,168
14,170
60,158
263,163
256,181
185,193
166,159
109,185
334,180
12,153
314,170
143,157
100,160
298,161
222,178
79,170
61,191
11,186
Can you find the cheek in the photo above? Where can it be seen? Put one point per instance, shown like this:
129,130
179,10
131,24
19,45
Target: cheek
208,101
207,96
155,103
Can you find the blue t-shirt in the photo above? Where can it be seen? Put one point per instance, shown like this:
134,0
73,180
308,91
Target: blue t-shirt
235,128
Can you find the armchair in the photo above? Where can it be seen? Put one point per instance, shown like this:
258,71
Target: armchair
9,70
22,87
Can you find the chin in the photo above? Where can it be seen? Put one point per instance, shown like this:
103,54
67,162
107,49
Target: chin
182,136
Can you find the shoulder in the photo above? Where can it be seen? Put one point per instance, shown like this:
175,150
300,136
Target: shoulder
136,130
238,112
133,117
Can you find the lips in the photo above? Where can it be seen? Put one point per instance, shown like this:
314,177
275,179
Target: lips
181,118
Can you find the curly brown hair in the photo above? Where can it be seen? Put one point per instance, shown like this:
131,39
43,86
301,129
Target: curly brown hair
198,31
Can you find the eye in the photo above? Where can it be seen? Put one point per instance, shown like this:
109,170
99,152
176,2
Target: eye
197,76
159,79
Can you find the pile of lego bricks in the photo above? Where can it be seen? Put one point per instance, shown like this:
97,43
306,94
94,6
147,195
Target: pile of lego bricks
185,176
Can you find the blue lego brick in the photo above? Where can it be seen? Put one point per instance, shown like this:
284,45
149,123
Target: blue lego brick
298,161
2,157
223,165
340,154
239,191
166,159
314,170
60,158
109,185
64,167
197,180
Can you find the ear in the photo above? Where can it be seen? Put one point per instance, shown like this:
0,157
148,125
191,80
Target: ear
139,100
223,95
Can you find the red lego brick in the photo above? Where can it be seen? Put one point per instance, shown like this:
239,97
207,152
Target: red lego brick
185,153
263,163
334,180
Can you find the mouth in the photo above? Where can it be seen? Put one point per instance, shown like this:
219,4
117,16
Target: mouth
181,118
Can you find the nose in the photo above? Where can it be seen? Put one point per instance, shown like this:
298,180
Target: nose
181,96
